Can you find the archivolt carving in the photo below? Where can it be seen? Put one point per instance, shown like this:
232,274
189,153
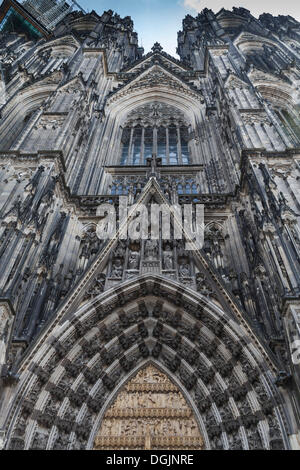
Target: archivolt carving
230,386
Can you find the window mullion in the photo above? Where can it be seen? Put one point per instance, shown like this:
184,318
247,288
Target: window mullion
142,160
179,157
155,140
130,153
167,147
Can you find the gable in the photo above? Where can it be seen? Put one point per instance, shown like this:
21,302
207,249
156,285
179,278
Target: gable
151,59
157,77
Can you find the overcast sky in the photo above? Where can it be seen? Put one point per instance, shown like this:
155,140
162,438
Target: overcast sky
159,20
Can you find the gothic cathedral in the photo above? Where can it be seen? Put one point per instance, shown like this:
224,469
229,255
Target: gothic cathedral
126,343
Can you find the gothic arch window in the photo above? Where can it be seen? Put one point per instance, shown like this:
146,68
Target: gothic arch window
287,111
125,142
290,119
155,128
20,109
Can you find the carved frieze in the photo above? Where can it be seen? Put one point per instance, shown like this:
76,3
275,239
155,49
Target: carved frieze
149,413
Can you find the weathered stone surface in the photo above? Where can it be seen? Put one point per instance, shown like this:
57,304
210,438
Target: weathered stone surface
86,118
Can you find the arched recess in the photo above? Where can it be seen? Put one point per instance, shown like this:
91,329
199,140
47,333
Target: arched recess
144,90
155,128
67,385
52,55
264,53
66,45
284,99
19,110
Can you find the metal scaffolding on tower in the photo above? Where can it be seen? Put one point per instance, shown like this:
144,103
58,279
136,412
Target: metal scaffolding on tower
50,12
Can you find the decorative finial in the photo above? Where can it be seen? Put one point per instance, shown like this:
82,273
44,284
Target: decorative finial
154,162
157,47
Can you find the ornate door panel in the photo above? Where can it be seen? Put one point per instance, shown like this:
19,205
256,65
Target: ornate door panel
149,413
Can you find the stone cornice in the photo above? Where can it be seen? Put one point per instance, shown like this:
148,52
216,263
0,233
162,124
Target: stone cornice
131,170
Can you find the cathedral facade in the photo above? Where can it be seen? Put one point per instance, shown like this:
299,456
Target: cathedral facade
129,343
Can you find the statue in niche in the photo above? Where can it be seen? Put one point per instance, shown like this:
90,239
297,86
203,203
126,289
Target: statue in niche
98,286
133,262
85,243
117,268
120,250
151,249
184,270
94,242
168,257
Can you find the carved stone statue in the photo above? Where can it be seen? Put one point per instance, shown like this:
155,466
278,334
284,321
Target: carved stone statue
168,258
133,262
184,270
117,268
151,249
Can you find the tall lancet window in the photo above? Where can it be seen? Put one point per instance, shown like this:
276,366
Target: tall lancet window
155,128
162,144
148,143
291,122
136,146
125,145
173,145
184,140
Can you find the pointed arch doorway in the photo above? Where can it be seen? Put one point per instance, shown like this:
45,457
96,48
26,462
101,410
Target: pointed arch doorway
149,413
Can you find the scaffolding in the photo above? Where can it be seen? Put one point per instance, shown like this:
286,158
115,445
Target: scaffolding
50,12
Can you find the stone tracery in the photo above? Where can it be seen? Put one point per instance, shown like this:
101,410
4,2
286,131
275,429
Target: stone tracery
155,128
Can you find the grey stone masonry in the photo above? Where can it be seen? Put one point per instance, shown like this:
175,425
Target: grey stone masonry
87,117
